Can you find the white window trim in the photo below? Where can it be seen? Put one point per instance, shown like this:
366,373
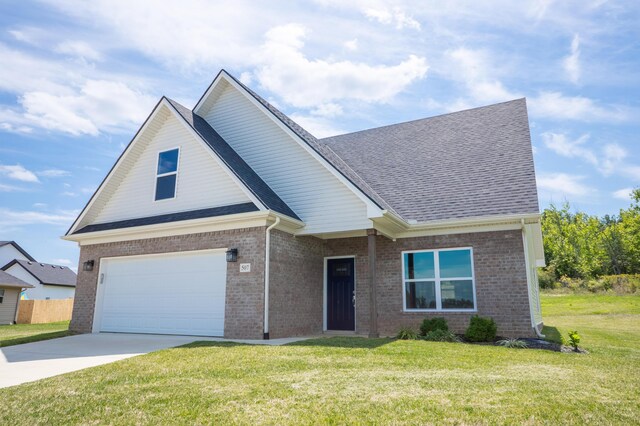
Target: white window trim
159,175
437,280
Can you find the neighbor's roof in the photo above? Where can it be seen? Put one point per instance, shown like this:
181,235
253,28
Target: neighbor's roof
17,247
47,273
8,280
472,163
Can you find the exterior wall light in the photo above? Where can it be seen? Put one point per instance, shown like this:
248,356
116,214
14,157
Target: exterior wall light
232,255
88,265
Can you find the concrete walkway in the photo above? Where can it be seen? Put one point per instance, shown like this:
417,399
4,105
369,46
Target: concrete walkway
38,360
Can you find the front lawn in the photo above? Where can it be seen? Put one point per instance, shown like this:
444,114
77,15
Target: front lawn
17,334
357,380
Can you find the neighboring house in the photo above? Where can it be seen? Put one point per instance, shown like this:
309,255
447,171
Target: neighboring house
10,288
48,281
10,250
231,220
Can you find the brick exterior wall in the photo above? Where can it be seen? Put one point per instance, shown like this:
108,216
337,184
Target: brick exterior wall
500,273
244,310
296,285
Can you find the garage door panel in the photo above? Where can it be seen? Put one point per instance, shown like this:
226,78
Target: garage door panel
169,294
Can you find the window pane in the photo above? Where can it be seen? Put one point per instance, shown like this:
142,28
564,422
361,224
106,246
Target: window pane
419,265
166,187
421,295
455,263
456,294
168,161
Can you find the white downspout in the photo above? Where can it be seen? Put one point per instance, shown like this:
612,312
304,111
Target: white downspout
529,278
266,277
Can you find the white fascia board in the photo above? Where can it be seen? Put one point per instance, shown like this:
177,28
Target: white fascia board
372,209
193,226
215,156
398,228
116,166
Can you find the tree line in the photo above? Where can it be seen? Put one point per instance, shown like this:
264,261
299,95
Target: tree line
578,245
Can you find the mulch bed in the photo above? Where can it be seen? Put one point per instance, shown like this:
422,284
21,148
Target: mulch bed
533,343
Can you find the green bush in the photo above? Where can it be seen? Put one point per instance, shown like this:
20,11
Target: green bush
407,333
432,324
574,339
481,329
513,343
620,284
439,335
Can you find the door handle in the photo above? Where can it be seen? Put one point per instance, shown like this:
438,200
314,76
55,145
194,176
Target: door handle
353,299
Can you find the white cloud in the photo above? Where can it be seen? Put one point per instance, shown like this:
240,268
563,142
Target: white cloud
607,162
17,172
623,194
78,48
556,106
53,173
13,128
318,126
9,217
39,205
562,185
476,70
10,188
395,17
571,63
351,45
327,110
98,106
306,83
562,145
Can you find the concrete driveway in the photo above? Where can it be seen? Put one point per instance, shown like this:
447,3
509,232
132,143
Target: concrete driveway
34,361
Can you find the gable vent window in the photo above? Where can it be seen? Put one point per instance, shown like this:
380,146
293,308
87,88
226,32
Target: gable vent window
167,174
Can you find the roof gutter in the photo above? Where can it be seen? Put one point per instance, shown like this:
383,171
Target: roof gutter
527,262
267,252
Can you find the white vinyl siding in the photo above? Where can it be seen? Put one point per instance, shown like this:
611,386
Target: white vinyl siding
40,292
323,202
8,253
202,183
8,305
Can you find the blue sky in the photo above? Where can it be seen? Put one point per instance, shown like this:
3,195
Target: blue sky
77,79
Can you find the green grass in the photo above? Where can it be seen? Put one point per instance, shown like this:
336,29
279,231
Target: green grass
25,333
357,380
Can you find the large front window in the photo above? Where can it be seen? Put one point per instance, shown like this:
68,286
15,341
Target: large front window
167,174
438,280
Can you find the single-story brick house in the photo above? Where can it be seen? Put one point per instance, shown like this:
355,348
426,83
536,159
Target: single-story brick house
231,220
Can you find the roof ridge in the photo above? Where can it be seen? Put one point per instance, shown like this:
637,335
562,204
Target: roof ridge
462,111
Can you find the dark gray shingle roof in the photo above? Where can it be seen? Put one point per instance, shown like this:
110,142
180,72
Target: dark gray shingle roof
171,217
47,273
477,162
246,174
8,280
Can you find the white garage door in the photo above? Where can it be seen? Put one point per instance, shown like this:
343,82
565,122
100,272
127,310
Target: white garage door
176,293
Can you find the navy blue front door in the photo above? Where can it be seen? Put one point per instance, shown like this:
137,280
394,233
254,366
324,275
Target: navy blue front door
341,294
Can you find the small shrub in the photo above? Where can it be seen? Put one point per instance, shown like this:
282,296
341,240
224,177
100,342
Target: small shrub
439,335
574,339
481,329
407,333
513,343
432,324
547,278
